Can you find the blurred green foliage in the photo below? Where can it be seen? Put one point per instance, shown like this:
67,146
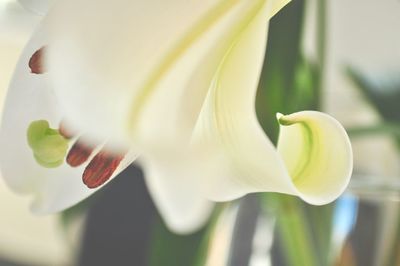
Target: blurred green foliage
291,83
384,96
169,249
288,81
295,235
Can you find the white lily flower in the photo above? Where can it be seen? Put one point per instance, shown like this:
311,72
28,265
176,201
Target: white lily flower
175,81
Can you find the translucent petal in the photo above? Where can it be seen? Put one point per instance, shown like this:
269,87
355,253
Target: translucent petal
228,126
30,98
174,192
16,25
317,153
132,55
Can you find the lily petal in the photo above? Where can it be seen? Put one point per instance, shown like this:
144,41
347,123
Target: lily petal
228,126
180,203
317,153
30,98
160,55
16,25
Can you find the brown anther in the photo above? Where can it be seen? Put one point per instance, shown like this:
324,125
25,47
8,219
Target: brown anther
36,62
101,168
79,153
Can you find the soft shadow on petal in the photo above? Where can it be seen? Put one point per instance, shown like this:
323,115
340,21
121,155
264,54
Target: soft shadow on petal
39,7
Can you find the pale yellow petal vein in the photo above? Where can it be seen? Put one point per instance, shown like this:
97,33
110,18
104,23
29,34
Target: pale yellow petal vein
188,39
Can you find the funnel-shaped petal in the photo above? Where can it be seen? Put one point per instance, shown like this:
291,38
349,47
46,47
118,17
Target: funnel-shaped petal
140,70
175,80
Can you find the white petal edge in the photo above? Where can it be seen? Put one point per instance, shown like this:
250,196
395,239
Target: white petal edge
179,201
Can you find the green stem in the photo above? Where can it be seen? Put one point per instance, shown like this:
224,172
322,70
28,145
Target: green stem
202,253
169,249
321,47
293,230
394,257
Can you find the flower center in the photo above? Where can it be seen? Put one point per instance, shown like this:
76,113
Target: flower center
50,146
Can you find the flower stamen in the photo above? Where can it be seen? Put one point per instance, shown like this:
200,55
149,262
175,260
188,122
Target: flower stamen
79,153
36,62
48,145
101,168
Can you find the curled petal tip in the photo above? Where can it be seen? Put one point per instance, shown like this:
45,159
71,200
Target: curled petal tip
279,116
318,155
284,120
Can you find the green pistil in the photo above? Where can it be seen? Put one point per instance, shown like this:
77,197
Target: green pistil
48,146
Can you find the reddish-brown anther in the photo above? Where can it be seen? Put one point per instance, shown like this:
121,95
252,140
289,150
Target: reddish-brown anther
101,168
79,153
36,62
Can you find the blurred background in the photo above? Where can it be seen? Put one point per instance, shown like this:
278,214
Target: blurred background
339,56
